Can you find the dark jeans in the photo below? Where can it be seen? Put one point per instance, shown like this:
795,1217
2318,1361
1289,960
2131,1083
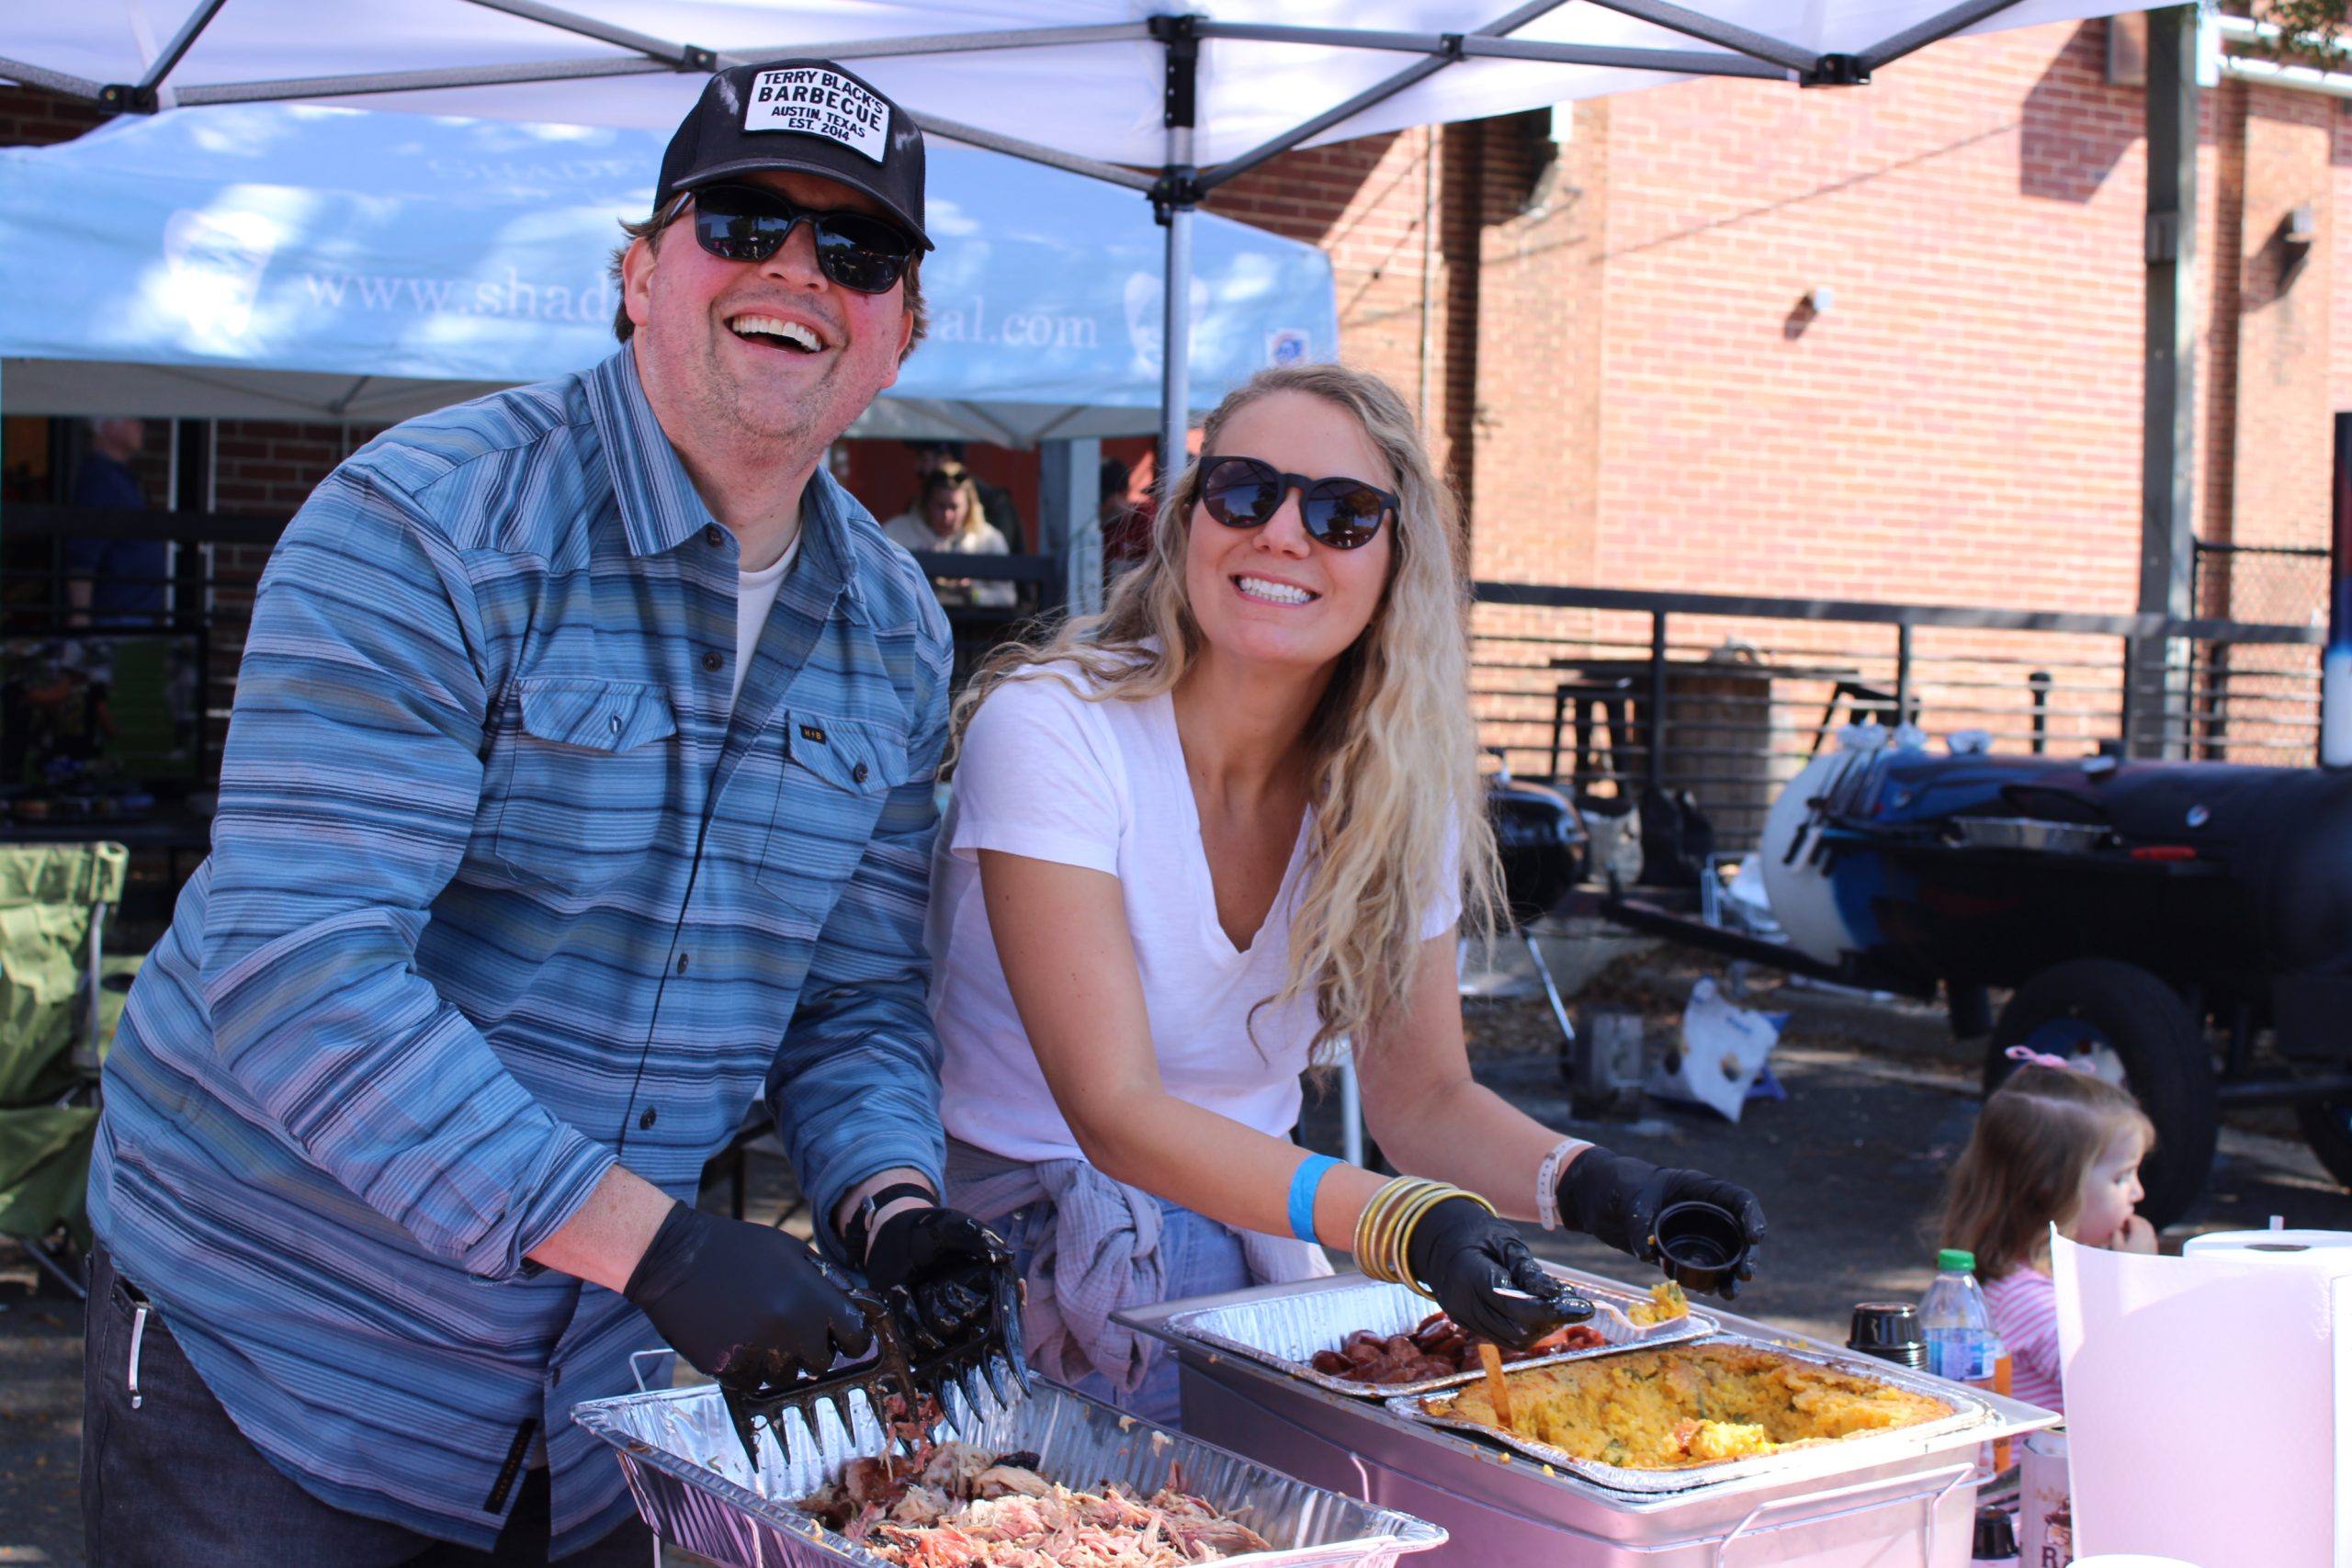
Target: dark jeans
172,1483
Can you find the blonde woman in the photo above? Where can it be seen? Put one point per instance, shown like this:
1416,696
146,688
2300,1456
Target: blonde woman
947,519
1198,842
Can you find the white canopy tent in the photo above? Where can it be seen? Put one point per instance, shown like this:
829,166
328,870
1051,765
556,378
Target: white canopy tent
1167,101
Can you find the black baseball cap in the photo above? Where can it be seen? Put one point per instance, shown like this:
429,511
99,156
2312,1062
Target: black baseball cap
806,114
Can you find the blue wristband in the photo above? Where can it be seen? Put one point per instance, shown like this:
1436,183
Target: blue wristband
1303,1184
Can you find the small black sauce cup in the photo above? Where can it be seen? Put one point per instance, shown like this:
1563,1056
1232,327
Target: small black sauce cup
1889,1332
1700,1244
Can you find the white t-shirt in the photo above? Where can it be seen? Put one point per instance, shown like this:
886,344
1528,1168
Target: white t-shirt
1047,774
755,595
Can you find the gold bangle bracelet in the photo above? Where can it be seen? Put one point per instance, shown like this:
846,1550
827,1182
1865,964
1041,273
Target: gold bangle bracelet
1402,1245
1405,1247
1400,1223
1375,1226
1363,1222
1369,1229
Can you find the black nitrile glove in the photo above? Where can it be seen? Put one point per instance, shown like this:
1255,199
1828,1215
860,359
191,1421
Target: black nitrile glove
1467,1258
1616,1199
745,1303
946,1260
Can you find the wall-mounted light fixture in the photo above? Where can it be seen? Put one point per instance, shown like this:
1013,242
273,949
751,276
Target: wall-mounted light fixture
2297,231
1811,306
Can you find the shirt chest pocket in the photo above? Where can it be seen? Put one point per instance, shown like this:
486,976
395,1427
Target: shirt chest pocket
582,773
837,775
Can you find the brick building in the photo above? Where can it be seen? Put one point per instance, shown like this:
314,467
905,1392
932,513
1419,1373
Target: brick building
1615,332
1878,342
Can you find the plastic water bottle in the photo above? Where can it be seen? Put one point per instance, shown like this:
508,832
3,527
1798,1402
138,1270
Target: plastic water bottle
1962,1345
1957,1324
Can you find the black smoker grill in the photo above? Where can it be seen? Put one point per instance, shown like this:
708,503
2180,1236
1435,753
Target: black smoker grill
2185,927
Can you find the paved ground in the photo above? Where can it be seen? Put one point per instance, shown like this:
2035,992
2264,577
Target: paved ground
1848,1167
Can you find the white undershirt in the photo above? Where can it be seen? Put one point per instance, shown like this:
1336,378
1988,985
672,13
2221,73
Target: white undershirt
755,595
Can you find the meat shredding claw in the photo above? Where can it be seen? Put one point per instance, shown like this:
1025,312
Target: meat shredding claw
908,1362
883,1374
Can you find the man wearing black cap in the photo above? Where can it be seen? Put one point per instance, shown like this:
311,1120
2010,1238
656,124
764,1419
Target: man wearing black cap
578,791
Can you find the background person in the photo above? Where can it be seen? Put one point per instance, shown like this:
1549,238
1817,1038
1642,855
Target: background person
111,581
522,887
1196,844
996,502
945,519
2054,1146
1124,522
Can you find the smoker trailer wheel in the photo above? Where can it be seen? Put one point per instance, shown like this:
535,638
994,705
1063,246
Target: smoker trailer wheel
2134,1029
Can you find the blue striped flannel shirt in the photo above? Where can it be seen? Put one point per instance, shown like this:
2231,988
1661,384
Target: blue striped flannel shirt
501,892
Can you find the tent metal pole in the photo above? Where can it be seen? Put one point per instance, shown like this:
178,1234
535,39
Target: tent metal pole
1473,47
32,76
1936,28
1417,72
951,43
177,50
1726,35
342,405
1242,164
1176,342
684,56
1012,146
1689,62
416,80
1174,200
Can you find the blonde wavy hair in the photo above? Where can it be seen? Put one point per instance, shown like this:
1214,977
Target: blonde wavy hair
1393,774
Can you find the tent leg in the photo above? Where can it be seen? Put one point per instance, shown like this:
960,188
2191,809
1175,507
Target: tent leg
1175,386
1174,199
49,1266
1068,524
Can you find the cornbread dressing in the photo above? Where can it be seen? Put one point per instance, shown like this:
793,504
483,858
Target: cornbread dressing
1666,1305
1683,1405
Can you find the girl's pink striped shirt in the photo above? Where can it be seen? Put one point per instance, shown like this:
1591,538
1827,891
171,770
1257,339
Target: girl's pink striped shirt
2025,1315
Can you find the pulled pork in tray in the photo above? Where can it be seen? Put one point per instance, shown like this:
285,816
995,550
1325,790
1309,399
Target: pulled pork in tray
955,1506
1438,1348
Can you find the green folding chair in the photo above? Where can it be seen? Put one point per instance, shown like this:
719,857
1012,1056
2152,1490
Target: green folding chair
57,1017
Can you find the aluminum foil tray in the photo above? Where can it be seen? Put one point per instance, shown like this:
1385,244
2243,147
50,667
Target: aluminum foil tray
1286,1331
694,1485
1828,1457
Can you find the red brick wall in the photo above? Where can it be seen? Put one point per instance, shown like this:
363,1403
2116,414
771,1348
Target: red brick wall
2339,280
2283,433
268,468
1963,423
31,118
1364,202
1630,394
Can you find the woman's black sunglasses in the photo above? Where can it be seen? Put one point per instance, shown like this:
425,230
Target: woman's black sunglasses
1242,493
863,254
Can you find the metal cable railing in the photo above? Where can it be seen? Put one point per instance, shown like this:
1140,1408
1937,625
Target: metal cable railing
1724,697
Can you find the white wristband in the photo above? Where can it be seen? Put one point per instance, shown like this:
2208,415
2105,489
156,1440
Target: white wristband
1547,1180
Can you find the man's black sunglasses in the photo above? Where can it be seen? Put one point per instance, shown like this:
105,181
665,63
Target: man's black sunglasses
1242,493
863,254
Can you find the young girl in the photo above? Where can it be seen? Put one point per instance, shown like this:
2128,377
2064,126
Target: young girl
2054,1146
